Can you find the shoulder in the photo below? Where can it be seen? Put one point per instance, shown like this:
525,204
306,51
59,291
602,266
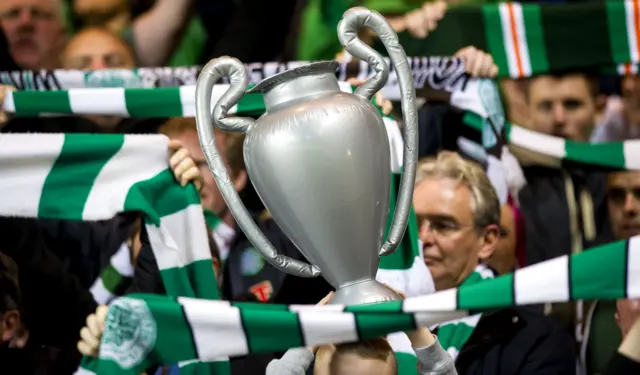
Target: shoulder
542,334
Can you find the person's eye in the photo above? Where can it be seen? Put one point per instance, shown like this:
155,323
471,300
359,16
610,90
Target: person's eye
573,104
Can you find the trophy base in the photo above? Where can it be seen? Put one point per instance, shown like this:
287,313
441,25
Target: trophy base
364,292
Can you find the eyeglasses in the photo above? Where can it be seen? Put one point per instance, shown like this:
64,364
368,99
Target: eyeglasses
440,225
443,226
619,195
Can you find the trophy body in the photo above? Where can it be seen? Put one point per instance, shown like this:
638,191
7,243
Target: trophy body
319,159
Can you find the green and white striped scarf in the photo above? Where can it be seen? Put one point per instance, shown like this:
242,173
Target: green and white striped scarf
144,329
404,270
180,102
530,39
94,177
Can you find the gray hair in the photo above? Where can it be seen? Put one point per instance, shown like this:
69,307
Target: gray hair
484,200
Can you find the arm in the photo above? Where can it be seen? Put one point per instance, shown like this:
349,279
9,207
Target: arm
293,362
157,32
432,358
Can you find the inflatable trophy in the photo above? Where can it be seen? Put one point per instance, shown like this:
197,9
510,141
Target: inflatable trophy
319,159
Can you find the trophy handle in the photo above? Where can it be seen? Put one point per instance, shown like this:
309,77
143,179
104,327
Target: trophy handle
352,22
235,70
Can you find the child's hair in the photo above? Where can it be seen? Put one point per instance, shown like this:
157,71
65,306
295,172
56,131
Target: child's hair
9,286
378,348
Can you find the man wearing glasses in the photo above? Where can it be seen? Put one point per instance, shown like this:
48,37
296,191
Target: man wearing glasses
459,217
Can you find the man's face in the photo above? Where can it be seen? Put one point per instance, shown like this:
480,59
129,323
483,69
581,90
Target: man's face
209,195
451,245
504,257
563,107
95,49
35,31
624,203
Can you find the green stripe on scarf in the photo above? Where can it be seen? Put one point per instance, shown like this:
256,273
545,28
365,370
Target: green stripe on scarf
185,328
96,176
558,36
453,335
607,156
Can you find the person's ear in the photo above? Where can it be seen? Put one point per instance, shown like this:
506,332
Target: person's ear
490,237
10,324
240,181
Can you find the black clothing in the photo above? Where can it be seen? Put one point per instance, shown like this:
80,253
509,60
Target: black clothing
547,215
76,124
517,342
622,365
249,30
46,286
146,276
6,61
63,124
245,269
85,248
439,127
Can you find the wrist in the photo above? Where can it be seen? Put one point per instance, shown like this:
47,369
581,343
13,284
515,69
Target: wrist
421,338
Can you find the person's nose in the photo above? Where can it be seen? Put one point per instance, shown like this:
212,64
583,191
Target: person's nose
426,234
97,63
631,204
25,18
559,115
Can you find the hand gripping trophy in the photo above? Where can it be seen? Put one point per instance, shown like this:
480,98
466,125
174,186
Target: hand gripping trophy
319,160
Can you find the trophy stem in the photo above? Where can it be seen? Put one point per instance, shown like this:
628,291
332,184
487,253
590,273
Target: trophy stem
364,292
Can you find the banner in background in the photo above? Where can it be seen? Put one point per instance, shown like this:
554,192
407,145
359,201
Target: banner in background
430,74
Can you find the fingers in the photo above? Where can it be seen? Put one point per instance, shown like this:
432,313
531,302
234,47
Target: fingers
87,350
91,334
174,144
387,107
4,91
401,294
422,21
355,82
89,344
478,63
101,314
416,24
95,328
184,167
326,299
178,156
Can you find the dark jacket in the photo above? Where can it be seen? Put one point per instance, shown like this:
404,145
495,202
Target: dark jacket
517,342
551,200
6,61
250,30
85,248
55,305
246,272
622,365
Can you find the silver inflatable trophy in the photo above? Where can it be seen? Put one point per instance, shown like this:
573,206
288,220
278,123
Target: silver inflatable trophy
319,159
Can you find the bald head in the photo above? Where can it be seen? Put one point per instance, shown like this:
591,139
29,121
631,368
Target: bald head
97,48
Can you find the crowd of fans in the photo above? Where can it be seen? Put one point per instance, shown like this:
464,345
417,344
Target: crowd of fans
47,267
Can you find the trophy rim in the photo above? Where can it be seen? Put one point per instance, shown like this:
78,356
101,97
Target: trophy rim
306,70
